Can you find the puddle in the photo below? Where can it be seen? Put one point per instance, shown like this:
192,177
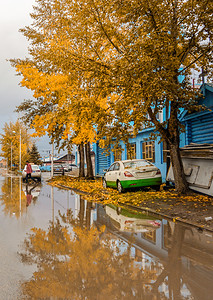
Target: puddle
56,245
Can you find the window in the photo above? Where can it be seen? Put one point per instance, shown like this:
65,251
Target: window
112,167
167,234
117,154
136,164
117,167
149,151
131,151
150,236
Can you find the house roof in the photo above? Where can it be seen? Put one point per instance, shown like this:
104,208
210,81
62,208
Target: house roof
185,115
210,84
66,157
207,86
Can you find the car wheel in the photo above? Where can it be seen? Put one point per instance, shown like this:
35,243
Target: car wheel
118,210
104,183
119,187
156,187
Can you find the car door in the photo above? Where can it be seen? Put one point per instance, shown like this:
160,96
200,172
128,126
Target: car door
109,175
115,174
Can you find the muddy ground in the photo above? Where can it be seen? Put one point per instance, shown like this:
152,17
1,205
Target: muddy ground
198,213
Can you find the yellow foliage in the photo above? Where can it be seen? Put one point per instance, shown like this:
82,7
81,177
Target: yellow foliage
83,265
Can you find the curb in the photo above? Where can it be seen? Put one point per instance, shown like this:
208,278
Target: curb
149,210
175,220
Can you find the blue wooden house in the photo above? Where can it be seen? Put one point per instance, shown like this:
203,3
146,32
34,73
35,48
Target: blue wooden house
199,125
142,146
197,142
199,129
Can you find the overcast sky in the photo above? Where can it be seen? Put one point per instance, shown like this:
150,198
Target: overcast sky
14,14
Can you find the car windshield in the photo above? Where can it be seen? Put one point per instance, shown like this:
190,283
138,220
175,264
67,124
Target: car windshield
136,164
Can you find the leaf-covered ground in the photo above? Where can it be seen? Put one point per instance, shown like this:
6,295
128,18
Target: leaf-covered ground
192,208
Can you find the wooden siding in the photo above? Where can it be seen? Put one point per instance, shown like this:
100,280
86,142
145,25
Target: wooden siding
201,129
102,161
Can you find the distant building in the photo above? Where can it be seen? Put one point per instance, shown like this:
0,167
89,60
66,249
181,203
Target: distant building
63,159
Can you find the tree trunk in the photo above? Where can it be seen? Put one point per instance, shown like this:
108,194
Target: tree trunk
181,185
90,174
88,215
171,136
81,212
174,266
81,156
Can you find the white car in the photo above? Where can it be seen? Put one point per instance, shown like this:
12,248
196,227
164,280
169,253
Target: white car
72,167
125,220
131,174
36,173
69,167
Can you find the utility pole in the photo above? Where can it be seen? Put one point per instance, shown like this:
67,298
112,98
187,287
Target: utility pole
52,159
20,152
11,158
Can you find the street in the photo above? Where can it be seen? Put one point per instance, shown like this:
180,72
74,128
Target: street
54,244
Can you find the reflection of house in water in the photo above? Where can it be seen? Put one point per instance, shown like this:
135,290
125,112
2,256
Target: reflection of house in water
182,257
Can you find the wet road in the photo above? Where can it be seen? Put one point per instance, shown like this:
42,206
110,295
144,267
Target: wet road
55,245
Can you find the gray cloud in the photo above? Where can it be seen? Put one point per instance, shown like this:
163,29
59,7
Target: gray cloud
13,16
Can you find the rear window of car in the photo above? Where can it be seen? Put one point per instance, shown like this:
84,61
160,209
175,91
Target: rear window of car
136,164
35,167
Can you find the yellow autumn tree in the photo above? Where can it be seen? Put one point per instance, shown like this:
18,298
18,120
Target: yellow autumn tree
140,51
80,264
14,134
63,107
12,197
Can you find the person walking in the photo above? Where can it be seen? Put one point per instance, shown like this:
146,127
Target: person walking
29,171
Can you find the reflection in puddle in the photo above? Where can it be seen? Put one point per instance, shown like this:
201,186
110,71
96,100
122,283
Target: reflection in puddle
16,196
86,266
129,221
97,261
93,252
31,192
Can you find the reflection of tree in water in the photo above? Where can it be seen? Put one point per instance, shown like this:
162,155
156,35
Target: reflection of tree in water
10,197
172,274
83,219
81,266
86,263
